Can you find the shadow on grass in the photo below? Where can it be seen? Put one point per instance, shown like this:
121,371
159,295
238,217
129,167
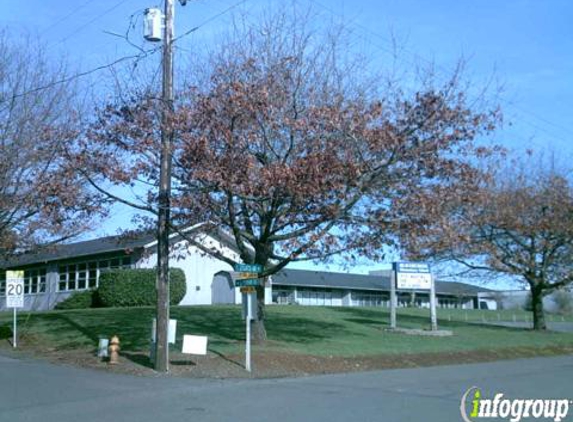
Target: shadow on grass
5,332
364,316
302,330
418,318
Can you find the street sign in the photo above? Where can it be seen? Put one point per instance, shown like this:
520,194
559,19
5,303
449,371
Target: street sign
15,298
245,276
14,289
413,276
248,282
248,268
248,289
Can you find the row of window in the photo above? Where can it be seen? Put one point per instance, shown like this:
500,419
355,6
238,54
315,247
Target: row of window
369,299
85,275
78,276
327,297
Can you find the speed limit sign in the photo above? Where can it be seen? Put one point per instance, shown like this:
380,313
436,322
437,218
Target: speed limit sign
14,289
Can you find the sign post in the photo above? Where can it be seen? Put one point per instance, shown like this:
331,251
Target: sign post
247,278
393,300
15,299
433,314
248,334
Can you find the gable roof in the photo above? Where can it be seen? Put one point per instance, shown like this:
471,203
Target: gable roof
109,244
79,249
323,279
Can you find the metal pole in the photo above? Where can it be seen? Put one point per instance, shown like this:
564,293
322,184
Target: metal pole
15,337
393,300
433,314
162,347
248,342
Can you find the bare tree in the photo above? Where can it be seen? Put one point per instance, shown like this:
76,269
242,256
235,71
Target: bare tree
40,199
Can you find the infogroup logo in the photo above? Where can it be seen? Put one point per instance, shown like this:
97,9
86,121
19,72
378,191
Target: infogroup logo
475,407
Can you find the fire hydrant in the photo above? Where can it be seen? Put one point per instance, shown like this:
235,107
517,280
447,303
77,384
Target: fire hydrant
114,350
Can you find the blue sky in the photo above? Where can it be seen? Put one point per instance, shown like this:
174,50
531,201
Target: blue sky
524,45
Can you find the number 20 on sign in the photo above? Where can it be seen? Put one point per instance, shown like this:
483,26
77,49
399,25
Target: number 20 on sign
14,289
15,297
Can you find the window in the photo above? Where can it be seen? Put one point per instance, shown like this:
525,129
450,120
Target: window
92,275
367,298
283,295
35,281
2,283
85,275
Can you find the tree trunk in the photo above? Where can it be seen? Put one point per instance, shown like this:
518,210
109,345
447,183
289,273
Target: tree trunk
259,332
537,308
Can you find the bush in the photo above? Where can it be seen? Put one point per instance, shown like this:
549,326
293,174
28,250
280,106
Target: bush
80,300
136,287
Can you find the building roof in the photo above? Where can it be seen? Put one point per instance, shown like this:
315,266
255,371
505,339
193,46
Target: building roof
102,245
80,249
322,279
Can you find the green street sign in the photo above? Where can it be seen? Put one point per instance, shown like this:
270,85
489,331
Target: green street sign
248,282
248,268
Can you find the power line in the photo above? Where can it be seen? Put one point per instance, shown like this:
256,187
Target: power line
81,74
73,12
139,56
209,20
85,25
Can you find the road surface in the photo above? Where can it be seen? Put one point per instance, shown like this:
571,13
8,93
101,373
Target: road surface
37,391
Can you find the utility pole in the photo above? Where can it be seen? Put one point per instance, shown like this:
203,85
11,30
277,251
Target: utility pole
161,345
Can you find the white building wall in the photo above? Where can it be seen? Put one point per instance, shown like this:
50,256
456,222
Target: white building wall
198,267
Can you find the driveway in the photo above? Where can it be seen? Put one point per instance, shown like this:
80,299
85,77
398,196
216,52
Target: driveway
37,391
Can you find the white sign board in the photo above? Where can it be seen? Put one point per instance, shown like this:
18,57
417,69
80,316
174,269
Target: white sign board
171,331
14,289
194,345
413,276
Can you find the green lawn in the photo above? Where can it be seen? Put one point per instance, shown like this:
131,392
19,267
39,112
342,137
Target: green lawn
319,331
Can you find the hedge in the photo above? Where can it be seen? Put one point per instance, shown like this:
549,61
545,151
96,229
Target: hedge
80,300
136,287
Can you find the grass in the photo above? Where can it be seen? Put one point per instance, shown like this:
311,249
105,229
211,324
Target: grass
319,331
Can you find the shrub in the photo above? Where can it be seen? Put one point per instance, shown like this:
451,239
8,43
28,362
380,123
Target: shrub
80,300
136,287
5,332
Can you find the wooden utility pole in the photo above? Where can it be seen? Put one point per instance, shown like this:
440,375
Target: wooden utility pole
161,345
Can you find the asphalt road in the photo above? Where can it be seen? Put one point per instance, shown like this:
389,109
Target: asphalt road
35,391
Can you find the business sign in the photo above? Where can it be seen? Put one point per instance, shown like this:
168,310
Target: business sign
413,276
14,289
